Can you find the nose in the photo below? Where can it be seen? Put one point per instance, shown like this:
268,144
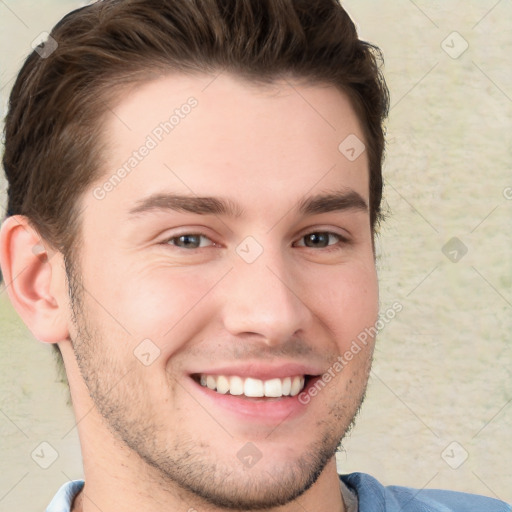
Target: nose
262,300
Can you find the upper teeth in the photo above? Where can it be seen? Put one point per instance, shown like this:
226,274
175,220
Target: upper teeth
289,386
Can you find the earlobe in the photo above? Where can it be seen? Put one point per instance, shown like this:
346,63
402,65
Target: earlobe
36,285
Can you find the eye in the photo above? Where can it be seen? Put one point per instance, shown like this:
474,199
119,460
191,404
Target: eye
320,239
190,241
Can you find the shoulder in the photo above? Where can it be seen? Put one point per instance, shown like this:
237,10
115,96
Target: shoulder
65,495
374,497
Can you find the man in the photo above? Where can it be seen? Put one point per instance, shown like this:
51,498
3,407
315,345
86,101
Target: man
194,189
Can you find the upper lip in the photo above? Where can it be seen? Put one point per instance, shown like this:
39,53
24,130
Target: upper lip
262,371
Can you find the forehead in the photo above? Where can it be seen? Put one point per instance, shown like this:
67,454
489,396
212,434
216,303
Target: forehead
222,136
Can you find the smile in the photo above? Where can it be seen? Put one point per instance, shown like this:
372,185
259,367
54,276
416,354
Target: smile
253,388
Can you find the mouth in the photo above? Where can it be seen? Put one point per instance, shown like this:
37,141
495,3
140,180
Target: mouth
256,394
250,387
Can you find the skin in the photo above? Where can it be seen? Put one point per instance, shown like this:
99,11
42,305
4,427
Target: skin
151,439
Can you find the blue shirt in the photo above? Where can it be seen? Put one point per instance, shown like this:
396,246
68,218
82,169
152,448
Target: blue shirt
371,495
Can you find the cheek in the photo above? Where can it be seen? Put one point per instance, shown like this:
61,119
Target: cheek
346,300
159,305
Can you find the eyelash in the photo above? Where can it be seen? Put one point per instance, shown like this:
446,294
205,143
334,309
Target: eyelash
330,247
176,237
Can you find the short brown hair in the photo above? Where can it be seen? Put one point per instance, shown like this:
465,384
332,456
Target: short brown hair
52,131
53,147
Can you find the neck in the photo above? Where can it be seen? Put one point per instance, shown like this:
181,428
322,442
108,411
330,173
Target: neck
118,479
128,495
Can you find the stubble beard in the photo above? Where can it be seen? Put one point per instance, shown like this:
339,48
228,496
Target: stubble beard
183,464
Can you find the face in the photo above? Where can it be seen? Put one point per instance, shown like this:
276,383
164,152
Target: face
225,271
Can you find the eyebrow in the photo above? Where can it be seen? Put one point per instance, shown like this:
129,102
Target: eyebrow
191,204
321,203
337,201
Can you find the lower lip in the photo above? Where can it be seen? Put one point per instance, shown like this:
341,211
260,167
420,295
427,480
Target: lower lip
262,410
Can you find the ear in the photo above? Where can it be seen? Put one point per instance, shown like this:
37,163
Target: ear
35,278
